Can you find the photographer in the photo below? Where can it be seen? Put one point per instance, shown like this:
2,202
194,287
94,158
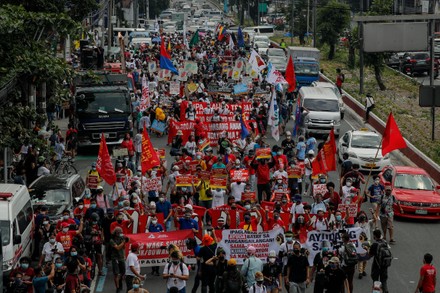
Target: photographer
117,256
51,250
176,273
386,212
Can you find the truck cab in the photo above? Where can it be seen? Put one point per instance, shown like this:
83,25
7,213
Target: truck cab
306,63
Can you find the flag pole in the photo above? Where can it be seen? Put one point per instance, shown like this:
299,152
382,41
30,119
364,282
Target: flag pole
371,167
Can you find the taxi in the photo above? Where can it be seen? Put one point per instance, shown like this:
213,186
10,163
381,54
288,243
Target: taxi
363,148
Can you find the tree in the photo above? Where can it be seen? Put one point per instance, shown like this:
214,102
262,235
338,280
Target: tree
332,20
300,19
377,60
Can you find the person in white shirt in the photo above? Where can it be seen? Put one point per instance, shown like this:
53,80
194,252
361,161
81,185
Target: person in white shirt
218,197
308,172
223,109
176,273
42,170
297,208
318,205
347,187
51,250
190,112
208,110
280,173
237,189
132,266
258,286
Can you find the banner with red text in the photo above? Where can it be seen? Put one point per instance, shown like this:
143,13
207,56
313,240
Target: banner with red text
153,246
236,241
246,108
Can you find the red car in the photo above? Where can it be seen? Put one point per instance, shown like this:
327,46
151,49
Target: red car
417,195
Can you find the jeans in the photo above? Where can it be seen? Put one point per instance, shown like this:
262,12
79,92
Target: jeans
129,282
180,291
168,224
382,276
297,287
349,270
266,188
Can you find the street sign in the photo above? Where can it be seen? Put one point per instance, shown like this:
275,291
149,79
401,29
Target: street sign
426,94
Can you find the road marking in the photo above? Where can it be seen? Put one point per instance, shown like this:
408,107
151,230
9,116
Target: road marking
411,282
101,281
349,124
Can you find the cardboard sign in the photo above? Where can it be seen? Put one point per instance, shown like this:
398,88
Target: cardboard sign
252,196
295,172
161,153
219,173
193,166
319,189
174,87
120,152
240,88
152,67
184,180
263,153
205,175
277,196
352,209
239,175
217,182
92,181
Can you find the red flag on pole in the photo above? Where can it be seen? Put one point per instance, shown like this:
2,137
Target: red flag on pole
392,138
149,158
325,161
290,75
104,164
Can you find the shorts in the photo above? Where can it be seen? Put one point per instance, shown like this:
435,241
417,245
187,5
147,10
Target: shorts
387,222
118,267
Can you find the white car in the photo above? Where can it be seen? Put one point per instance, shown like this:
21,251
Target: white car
362,146
261,47
337,93
258,38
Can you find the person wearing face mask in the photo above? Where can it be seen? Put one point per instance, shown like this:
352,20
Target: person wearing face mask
280,159
346,188
75,264
106,223
308,170
65,236
297,273
94,238
262,171
319,222
249,223
375,191
164,206
26,271
65,219
209,158
232,279
188,223
275,221
171,185
80,210
336,277
201,161
236,189
220,264
216,116
122,222
41,280
51,250
356,176
45,230
93,172
207,272
258,286
137,287
386,213
190,112
331,196
250,266
176,273
280,173
117,249
94,208
318,204
132,266
272,273
320,262
218,197
17,285
288,145
297,208
251,171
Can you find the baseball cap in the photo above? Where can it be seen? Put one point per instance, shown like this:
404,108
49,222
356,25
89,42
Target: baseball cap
334,259
65,224
135,245
189,207
232,262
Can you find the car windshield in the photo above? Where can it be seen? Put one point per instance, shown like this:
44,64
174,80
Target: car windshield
321,105
365,141
262,44
103,102
5,227
411,181
306,69
276,52
51,196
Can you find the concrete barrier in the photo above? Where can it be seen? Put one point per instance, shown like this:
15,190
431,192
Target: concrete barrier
411,152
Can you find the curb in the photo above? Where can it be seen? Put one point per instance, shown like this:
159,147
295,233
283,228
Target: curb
411,154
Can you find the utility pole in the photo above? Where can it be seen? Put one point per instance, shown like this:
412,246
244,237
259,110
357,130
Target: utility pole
308,20
147,9
361,51
135,13
431,67
314,22
292,22
110,26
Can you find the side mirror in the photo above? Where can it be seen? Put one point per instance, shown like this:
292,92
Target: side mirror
437,187
344,144
17,239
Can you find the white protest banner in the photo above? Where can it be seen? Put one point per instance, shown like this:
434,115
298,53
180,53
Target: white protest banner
352,209
174,87
319,189
236,241
191,66
315,238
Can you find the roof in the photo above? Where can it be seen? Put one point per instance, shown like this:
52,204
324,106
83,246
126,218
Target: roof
321,93
323,84
410,170
364,133
51,182
101,89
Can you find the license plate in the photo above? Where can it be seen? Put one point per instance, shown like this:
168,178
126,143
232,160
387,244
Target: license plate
421,212
370,165
421,62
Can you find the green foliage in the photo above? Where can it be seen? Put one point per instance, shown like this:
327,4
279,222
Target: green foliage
332,20
300,18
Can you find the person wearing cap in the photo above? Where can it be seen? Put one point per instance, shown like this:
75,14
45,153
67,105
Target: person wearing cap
102,199
288,146
222,224
308,170
251,265
94,172
386,213
272,270
336,278
132,266
209,158
207,252
66,218
176,273
65,236
249,223
297,272
258,286
188,223
232,279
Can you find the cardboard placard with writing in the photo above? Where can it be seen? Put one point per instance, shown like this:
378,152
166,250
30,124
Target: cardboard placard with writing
217,182
241,175
263,153
252,196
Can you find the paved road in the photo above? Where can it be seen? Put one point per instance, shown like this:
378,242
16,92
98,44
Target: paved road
414,238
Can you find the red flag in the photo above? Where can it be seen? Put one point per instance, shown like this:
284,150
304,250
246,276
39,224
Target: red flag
290,75
104,163
325,161
392,138
149,156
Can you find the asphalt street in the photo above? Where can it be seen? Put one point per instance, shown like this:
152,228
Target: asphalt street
414,238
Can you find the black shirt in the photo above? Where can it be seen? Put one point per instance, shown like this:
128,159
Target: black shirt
298,265
336,280
271,271
320,261
288,146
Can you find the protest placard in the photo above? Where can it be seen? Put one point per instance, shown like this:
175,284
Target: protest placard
263,153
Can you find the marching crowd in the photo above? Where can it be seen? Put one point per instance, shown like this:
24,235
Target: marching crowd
276,189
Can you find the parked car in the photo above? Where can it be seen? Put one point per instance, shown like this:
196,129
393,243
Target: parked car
362,146
394,61
417,195
418,62
57,192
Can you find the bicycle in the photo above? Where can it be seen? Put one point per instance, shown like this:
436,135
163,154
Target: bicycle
65,166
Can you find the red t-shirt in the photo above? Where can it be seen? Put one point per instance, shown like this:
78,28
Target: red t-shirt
69,221
28,275
429,273
210,160
124,225
252,227
66,239
247,162
263,174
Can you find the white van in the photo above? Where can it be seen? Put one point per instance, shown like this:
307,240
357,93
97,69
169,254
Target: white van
264,30
324,111
335,90
16,222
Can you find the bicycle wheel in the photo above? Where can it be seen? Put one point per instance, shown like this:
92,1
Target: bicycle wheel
69,169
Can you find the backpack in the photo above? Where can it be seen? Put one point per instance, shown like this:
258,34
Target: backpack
350,255
383,255
233,285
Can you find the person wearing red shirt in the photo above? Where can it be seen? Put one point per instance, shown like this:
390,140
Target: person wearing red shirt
210,159
80,210
331,196
199,130
275,221
127,143
66,219
428,276
262,171
65,237
123,224
280,158
26,271
250,224
247,163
